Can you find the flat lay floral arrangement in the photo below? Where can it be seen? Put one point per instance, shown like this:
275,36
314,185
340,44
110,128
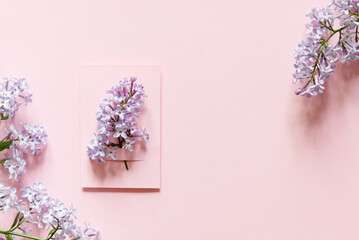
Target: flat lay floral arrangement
332,35
32,206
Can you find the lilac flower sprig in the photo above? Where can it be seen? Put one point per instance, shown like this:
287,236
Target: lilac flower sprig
316,57
12,95
18,144
36,207
117,128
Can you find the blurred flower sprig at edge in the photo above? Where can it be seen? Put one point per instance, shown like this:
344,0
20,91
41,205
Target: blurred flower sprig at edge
332,34
32,206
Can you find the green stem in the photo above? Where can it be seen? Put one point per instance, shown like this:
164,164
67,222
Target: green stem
128,98
19,234
324,43
18,225
355,13
57,228
120,142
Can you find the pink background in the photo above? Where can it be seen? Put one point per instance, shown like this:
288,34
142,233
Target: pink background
243,158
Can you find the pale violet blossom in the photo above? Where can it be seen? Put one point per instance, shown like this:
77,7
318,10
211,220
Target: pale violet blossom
25,142
332,35
117,128
42,211
12,95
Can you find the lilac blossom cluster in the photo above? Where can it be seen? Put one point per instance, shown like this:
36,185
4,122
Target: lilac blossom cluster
12,95
19,144
37,207
318,54
117,128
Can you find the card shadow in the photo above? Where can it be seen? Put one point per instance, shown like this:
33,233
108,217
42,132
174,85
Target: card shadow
309,116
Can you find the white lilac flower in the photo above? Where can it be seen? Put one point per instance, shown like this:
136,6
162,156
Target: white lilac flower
145,135
12,95
40,210
27,141
8,199
128,144
112,152
316,56
117,128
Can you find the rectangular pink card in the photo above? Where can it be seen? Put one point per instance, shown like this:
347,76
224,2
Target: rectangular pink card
145,161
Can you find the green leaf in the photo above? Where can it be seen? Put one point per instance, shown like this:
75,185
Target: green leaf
15,221
5,145
51,232
8,237
2,117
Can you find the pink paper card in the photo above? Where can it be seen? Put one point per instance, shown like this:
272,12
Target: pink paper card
145,161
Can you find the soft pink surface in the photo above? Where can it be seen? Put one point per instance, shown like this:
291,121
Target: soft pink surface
145,161
243,158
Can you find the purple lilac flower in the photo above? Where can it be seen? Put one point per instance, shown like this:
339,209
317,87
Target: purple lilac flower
12,95
27,141
37,207
117,128
318,54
